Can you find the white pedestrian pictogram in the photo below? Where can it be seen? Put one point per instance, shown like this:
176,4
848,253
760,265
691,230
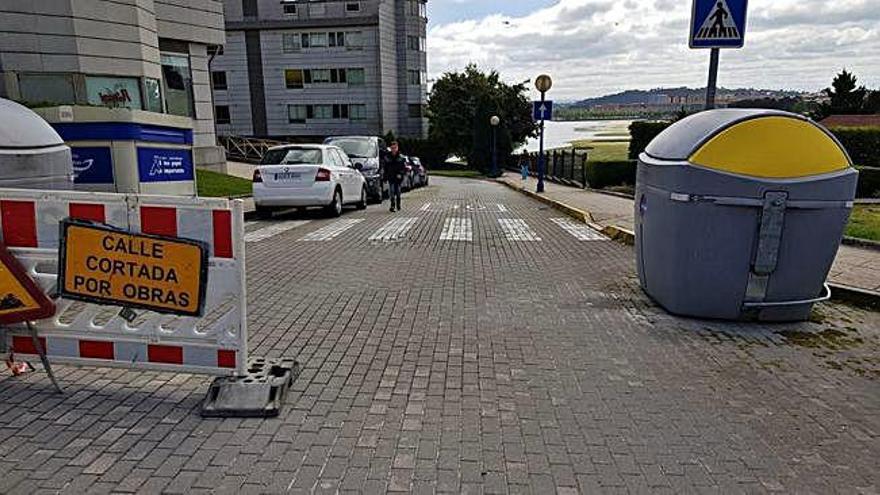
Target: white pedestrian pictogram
719,24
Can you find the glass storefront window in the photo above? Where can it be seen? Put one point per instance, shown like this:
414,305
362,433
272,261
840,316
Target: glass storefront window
153,95
178,84
114,92
47,88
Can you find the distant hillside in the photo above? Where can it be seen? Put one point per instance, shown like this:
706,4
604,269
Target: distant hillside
679,96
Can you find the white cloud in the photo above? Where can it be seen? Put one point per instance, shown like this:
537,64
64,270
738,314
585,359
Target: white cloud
592,47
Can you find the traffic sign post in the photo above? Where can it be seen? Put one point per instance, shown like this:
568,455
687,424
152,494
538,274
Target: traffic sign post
542,110
717,24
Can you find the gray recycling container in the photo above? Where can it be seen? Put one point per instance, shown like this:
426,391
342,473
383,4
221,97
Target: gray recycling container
739,214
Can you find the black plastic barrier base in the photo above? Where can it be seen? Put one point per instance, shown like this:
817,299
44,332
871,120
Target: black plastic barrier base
258,394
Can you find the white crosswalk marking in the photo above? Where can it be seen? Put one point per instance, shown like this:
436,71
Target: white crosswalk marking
516,229
457,229
580,231
501,208
425,207
394,230
333,230
273,230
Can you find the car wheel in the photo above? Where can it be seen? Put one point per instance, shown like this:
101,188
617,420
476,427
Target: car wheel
263,212
362,204
334,209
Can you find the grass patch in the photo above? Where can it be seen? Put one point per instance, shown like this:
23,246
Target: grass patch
463,174
217,185
865,222
604,151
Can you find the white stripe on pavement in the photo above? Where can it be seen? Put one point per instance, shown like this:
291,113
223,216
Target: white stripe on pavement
457,229
580,231
273,230
425,207
333,230
516,229
394,230
501,208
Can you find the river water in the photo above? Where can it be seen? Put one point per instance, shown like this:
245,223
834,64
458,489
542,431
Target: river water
561,134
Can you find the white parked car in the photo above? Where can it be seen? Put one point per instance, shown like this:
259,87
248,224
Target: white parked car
305,175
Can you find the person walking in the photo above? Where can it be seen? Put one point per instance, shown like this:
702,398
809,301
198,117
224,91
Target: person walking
395,167
524,167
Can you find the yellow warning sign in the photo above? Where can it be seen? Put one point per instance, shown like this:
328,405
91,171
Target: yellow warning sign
104,265
20,298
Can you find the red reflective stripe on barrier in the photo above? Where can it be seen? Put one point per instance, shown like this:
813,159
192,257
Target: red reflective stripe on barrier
87,211
96,349
159,220
19,219
25,345
222,234
225,359
165,354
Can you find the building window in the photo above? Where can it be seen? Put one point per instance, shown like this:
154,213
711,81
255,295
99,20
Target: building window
291,42
114,92
354,40
288,7
413,77
338,76
352,6
317,76
153,95
417,8
357,112
178,84
416,111
340,111
423,9
47,88
356,77
297,114
221,114
293,79
412,42
324,112
337,39
314,40
218,79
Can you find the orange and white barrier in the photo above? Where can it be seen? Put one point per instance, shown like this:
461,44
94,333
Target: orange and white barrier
85,333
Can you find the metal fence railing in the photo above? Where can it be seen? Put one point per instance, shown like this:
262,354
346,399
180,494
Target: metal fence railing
246,149
567,167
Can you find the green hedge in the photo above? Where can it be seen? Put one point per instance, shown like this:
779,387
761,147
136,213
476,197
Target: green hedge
869,182
862,143
608,174
642,133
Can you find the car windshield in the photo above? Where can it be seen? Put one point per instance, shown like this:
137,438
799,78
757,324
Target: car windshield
290,156
356,148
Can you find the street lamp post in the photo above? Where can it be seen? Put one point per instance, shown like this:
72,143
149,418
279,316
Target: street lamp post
495,120
543,84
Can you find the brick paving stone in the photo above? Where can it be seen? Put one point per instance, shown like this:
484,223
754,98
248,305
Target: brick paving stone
490,366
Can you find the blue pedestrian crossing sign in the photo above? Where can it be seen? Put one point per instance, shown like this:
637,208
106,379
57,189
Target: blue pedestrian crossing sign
718,23
542,110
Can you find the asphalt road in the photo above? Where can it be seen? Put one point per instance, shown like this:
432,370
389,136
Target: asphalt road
477,341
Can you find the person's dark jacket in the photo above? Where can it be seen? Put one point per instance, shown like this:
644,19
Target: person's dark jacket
395,167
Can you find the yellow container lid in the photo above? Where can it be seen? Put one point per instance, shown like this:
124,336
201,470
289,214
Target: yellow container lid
774,147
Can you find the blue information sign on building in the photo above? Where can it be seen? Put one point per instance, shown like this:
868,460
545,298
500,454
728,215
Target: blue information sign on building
165,165
542,110
92,165
718,23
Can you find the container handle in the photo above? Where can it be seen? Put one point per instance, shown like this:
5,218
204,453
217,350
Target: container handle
823,298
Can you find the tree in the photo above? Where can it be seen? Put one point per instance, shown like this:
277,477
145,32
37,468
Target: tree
845,95
460,106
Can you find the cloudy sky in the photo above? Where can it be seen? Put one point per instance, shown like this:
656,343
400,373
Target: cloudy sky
594,47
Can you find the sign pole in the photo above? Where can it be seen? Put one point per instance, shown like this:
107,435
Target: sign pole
541,150
711,88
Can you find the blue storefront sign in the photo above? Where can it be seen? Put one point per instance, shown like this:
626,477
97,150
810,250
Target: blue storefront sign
165,165
92,165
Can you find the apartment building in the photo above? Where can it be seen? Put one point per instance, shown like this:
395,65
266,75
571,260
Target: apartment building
135,64
309,69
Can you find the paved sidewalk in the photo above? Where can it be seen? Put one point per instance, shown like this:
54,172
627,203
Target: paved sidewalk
855,267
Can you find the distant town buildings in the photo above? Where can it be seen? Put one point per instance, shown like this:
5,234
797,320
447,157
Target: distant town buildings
309,69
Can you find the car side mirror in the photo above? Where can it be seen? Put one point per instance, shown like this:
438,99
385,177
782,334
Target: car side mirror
359,166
